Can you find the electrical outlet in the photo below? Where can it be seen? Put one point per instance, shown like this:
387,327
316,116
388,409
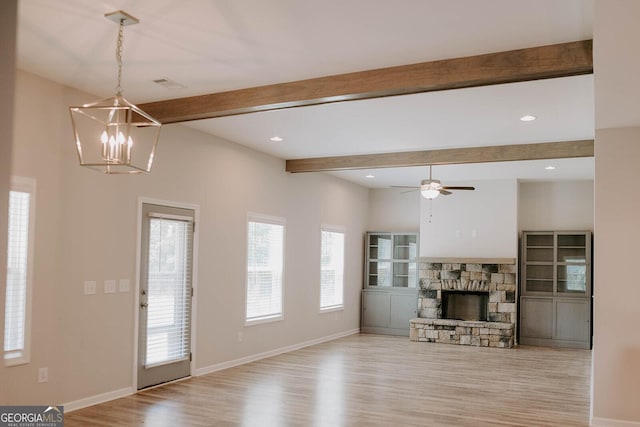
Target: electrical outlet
124,285
90,287
109,286
43,375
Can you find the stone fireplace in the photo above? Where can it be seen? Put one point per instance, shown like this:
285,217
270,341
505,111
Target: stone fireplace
468,301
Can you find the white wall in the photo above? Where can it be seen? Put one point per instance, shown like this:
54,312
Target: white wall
8,17
616,349
480,223
393,210
561,205
86,230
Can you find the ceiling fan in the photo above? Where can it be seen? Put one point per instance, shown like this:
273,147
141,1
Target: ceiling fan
432,188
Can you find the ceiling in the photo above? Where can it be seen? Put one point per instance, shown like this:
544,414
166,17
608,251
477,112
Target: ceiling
214,46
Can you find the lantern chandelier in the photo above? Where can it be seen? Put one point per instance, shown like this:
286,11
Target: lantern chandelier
112,135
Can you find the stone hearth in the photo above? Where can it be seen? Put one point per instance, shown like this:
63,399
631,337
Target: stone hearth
496,277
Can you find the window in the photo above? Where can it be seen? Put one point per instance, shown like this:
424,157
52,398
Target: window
19,271
331,268
265,261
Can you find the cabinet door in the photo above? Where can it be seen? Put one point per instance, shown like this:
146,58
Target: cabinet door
572,320
375,309
403,308
536,317
573,264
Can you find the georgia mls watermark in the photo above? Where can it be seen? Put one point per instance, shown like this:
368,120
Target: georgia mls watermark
31,416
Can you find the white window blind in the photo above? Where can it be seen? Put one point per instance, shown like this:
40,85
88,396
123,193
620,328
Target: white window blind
19,260
331,269
169,290
265,261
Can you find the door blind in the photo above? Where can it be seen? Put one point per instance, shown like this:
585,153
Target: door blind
169,290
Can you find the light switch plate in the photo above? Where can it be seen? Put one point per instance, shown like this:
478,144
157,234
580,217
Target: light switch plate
90,287
43,375
109,286
124,285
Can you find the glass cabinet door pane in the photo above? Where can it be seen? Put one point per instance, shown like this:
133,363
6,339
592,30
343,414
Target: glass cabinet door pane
539,240
534,285
539,278
571,240
401,274
540,255
380,274
380,246
540,272
577,255
572,279
404,247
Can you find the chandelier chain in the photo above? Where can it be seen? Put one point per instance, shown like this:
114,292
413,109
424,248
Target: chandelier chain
119,56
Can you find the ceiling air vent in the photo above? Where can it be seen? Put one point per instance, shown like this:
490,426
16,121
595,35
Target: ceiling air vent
169,84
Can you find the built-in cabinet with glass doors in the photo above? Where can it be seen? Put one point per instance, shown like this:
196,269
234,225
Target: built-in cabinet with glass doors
390,295
555,288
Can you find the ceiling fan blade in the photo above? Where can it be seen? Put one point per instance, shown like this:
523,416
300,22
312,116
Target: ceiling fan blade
409,191
445,192
404,186
459,188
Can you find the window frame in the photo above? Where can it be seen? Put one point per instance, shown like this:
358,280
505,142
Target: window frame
333,229
24,185
272,220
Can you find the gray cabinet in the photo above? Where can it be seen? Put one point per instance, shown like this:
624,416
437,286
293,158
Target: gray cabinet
555,289
390,295
388,312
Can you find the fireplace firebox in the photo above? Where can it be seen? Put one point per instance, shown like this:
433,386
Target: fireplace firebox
465,305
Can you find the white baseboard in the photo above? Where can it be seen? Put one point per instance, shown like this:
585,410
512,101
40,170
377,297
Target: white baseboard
607,422
252,358
99,398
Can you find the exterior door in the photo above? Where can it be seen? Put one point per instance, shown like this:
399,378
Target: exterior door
164,337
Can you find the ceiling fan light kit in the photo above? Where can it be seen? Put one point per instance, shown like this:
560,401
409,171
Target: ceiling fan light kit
113,135
432,188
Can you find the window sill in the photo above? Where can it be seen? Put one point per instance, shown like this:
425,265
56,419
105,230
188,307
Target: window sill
266,319
332,309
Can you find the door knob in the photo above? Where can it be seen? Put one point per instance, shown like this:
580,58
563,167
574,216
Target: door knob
143,305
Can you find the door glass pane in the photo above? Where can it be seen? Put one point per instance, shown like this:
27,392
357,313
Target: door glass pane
169,288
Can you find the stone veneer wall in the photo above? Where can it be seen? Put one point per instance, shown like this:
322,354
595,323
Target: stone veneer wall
497,277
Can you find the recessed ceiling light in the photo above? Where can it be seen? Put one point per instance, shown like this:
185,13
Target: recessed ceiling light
370,176
276,139
550,168
528,118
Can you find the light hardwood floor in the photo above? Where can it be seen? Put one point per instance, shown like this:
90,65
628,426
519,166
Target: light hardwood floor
371,380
